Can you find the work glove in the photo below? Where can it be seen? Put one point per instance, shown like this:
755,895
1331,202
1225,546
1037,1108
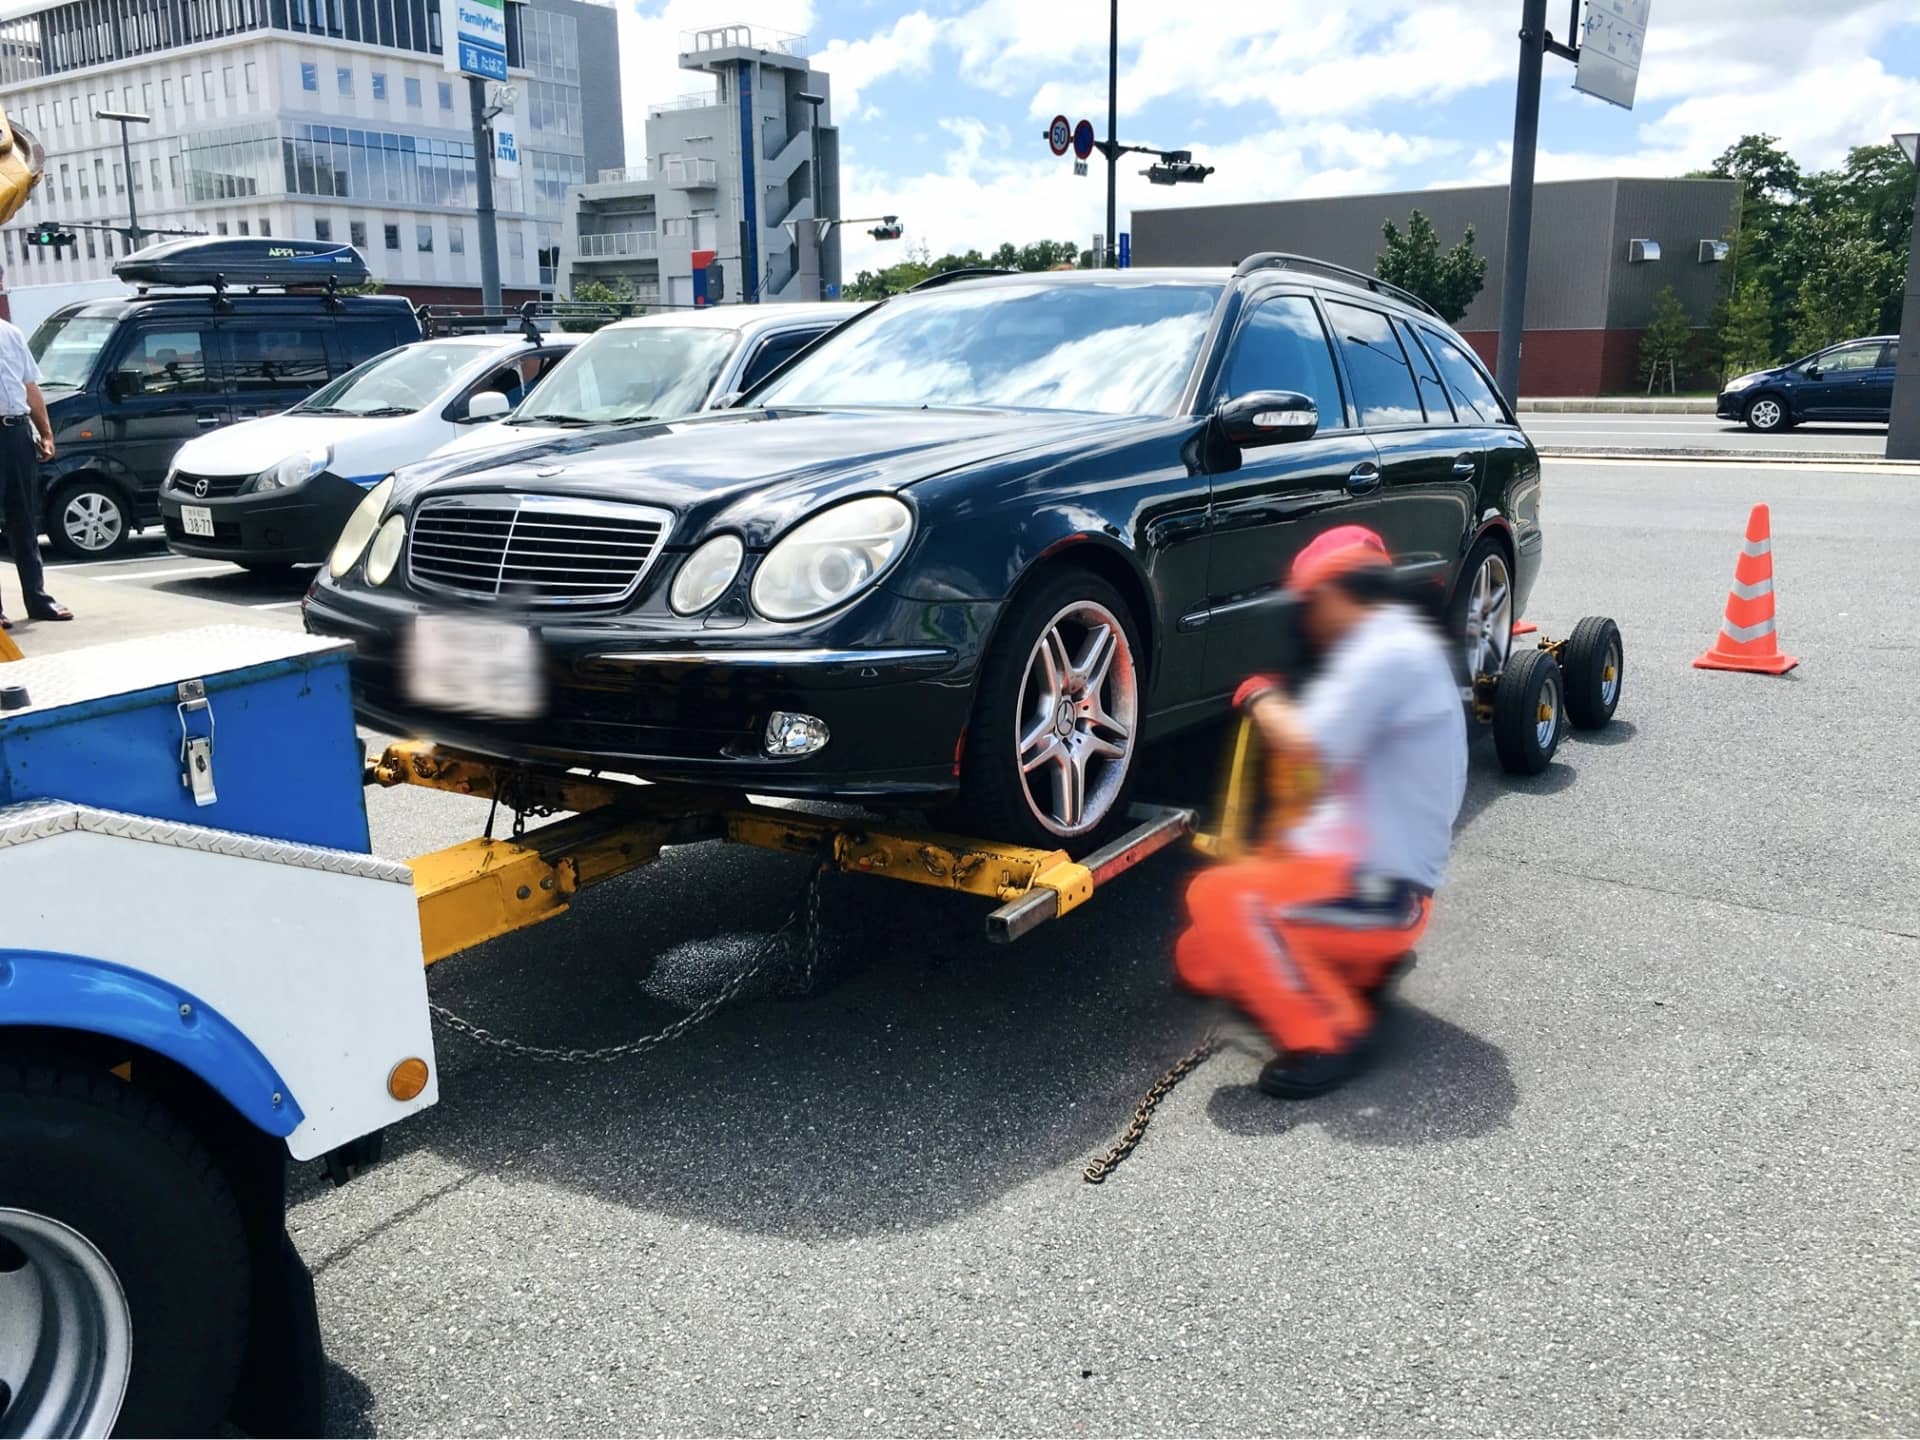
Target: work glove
1252,688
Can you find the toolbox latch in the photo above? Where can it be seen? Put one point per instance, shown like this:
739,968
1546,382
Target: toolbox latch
196,741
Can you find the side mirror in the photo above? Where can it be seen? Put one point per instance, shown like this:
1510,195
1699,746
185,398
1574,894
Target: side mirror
1813,372
124,385
487,405
1267,417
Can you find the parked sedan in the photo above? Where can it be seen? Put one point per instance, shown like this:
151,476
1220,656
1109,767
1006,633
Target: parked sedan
274,492
981,543
1850,381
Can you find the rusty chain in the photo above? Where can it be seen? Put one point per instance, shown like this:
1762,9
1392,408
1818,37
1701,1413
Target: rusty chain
806,911
1097,1171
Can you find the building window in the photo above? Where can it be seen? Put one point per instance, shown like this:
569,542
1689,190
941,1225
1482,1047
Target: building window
226,81
345,77
456,238
253,78
146,98
309,76
186,89
119,179
413,91
155,163
92,254
446,94
126,98
392,235
66,180
58,123
433,29
219,227
93,103
206,86
106,243
243,228
357,233
73,109
379,84
166,92
173,170
423,239
323,229
134,176
517,243
100,175
265,228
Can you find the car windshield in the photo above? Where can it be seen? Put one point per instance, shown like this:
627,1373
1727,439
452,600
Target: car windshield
637,374
1114,348
396,383
65,348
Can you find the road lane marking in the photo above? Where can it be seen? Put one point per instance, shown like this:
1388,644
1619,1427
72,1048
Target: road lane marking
176,573
1839,466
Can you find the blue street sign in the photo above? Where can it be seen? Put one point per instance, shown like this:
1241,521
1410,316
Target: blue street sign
482,60
1126,249
1083,139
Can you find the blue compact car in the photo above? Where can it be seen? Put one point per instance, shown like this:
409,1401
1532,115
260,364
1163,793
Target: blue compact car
1849,381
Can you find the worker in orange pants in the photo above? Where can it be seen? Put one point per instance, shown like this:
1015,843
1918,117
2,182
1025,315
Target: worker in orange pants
1303,936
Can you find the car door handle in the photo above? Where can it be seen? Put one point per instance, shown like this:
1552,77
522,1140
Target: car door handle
1465,465
1363,477
204,421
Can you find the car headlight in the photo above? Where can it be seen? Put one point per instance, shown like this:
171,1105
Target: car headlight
1741,382
831,558
295,469
359,529
705,574
384,553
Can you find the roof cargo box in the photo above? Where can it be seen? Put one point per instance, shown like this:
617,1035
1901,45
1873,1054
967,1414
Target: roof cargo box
221,260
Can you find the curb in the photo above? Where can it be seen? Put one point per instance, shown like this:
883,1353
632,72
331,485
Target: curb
1653,405
1833,459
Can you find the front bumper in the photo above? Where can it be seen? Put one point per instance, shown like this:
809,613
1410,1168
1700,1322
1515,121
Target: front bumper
1732,405
281,527
892,679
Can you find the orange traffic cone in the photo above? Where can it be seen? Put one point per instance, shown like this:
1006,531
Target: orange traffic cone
1747,640
1525,627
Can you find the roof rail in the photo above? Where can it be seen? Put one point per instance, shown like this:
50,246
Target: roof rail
435,323
947,277
1283,260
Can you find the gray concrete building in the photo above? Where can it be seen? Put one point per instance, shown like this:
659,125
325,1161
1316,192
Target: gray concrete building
742,168
1602,250
322,119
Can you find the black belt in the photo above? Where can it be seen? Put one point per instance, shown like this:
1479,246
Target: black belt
11,420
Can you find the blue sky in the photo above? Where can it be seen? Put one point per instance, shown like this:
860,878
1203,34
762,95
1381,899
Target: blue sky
941,105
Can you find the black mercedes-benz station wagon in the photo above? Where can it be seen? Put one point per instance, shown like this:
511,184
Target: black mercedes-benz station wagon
980,543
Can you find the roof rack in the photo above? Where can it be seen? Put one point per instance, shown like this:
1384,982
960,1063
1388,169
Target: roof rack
947,277
436,323
1283,260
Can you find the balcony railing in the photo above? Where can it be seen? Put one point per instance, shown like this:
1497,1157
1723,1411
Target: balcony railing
691,174
620,174
696,100
742,37
618,245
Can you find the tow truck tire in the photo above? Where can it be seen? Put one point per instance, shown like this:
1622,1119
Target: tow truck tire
104,1159
1595,664
1529,712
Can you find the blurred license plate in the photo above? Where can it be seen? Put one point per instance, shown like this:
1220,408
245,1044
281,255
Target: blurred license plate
476,666
197,520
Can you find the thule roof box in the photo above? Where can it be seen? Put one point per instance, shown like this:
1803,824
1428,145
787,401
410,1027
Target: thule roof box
222,261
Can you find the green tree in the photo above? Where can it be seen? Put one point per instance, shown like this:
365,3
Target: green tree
1746,330
1767,174
1414,262
595,303
1664,344
1845,285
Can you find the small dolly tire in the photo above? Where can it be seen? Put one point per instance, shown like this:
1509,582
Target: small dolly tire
1595,663
1529,712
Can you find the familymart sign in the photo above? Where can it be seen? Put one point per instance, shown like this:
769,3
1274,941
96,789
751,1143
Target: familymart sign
480,39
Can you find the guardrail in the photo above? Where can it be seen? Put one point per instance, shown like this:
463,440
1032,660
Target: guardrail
618,244
618,174
742,37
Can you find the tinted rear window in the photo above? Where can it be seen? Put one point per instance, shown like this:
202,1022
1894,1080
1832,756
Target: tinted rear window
1383,387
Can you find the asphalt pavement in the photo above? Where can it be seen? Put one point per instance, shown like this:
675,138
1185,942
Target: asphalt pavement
1638,1156
1681,433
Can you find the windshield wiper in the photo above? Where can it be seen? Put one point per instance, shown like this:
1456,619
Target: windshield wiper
630,420
569,420
323,410
383,412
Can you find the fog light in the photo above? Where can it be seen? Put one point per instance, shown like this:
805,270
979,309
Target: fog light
791,734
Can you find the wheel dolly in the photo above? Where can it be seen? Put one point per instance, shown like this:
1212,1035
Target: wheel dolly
480,889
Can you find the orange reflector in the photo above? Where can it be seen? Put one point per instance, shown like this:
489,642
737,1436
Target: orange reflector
407,1079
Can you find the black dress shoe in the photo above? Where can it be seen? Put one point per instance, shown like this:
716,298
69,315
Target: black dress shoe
1302,1074
49,610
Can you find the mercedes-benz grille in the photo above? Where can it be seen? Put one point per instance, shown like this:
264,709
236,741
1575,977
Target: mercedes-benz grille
534,549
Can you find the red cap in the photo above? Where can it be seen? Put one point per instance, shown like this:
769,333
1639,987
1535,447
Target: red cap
1336,552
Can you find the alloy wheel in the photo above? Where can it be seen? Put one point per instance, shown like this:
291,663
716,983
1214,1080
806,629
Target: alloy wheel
1488,628
1078,706
92,521
1765,415
66,1335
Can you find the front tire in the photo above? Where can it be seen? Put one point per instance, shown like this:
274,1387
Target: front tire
1050,755
1768,414
1481,611
89,519
122,1252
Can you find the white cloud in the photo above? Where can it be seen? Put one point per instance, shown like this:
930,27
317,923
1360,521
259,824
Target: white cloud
852,65
651,40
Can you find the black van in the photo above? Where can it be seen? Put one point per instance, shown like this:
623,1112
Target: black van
129,380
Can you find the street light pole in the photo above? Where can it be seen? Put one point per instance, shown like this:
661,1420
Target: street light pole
1113,125
483,187
124,118
1903,423
1526,135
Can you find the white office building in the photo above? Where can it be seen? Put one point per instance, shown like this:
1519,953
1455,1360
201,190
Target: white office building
742,168
323,119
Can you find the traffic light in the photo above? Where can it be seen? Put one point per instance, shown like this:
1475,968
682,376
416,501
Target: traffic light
50,235
716,282
1176,167
889,228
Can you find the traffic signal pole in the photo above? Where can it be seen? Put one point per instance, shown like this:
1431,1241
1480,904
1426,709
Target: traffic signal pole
1526,135
1113,128
1903,431
483,186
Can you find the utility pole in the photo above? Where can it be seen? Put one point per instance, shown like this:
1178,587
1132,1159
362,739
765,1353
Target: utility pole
1903,428
123,118
1526,134
483,186
1113,127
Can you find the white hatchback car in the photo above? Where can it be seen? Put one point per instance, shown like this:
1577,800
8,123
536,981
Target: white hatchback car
275,492
660,367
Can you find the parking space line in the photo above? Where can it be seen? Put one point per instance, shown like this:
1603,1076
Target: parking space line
274,605
177,573
90,564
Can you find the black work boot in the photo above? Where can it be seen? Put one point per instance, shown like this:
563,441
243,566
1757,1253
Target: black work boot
1303,1074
